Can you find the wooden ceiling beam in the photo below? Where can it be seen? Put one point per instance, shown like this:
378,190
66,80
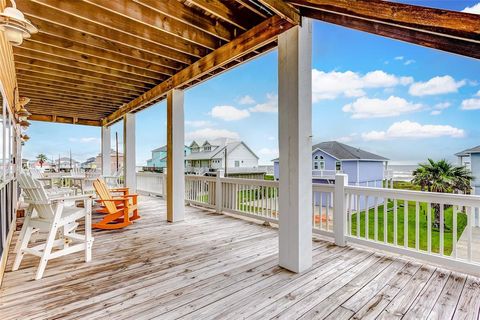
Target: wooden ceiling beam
79,104
223,11
100,18
26,56
114,61
255,9
42,108
283,9
34,92
439,22
159,21
56,84
249,41
28,87
188,15
101,81
60,119
50,20
425,39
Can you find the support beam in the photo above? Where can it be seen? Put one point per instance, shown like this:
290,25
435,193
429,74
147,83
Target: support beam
106,147
129,160
61,119
175,156
295,141
260,35
283,9
446,30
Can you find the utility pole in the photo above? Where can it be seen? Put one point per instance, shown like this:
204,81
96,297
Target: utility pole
225,153
116,148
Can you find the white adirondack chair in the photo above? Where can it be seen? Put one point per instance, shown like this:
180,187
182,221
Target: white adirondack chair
113,181
47,213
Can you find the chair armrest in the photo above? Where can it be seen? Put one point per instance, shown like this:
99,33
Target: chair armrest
77,197
111,200
118,189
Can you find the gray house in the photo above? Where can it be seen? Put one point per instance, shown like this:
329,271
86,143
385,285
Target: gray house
470,158
362,167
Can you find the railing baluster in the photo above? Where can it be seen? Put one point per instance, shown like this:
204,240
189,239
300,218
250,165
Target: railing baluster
375,220
470,211
429,227
395,221
349,212
320,210
442,231
454,231
405,223
367,212
358,215
417,225
385,220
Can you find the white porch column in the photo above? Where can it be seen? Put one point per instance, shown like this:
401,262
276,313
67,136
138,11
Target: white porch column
106,147
295,141
129,159
175,156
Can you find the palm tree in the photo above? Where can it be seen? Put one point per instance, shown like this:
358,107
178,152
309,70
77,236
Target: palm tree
42,159
441,176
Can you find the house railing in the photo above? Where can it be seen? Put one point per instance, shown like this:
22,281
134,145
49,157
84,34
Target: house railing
436,227
151,183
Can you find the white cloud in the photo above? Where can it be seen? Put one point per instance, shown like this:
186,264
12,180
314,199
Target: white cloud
85,140
414,130
210,134
330,85
439,107
409,62
348,138
271,105
478,93
473,9
377,108
436,85
198,123
471,104
268,152
399,58
229,113
246,100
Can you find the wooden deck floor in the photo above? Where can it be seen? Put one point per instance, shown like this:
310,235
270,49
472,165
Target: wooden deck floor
215,266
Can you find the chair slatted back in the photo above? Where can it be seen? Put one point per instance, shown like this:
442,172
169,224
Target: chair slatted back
35,173
36,194
104,194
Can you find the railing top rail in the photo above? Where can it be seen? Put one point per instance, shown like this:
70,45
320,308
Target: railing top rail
251,182
323,187
432,197
202,178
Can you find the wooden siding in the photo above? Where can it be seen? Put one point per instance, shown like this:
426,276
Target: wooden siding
215,266
7,67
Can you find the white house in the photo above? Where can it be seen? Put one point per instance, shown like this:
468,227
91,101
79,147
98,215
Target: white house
211,155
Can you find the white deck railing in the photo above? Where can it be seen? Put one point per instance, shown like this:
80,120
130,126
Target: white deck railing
399,221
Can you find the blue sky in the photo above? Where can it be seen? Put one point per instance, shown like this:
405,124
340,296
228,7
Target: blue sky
399,100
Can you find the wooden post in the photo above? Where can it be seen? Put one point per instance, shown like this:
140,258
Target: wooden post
129,160
218,191
175,156
106,156
340,210
295,141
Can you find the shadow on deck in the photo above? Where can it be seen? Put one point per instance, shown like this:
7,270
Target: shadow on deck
216,266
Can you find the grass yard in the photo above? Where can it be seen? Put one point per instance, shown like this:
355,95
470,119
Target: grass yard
423,225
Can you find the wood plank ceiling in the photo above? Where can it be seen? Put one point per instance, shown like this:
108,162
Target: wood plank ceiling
91,57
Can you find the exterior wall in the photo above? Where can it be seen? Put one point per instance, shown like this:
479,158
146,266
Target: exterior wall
243,156
329,161
350,168
475,167
159,159
276,169
7,67
370,171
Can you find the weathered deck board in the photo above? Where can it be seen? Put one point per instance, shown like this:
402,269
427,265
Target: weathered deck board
217,267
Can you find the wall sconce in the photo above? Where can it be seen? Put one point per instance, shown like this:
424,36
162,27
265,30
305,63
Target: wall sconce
25,137
15,25
24,124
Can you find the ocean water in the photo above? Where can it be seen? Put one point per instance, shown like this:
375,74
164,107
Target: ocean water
402,172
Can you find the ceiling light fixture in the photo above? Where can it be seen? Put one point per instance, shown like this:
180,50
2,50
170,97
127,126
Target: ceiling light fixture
15,25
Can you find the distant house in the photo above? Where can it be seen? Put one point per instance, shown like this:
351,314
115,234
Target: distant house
66,163
95,163
159,157
470,158
217,154
362,167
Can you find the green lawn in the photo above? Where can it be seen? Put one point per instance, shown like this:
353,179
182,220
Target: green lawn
423,225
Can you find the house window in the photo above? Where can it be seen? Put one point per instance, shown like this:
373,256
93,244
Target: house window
207,148
237,163
338,166
318,163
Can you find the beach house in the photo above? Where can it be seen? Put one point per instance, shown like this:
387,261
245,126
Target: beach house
328,158
159,157
470,158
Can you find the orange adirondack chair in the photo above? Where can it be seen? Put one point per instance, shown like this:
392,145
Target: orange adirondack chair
118,216
115,192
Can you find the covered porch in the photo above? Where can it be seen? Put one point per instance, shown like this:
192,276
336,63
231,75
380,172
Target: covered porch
217,266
